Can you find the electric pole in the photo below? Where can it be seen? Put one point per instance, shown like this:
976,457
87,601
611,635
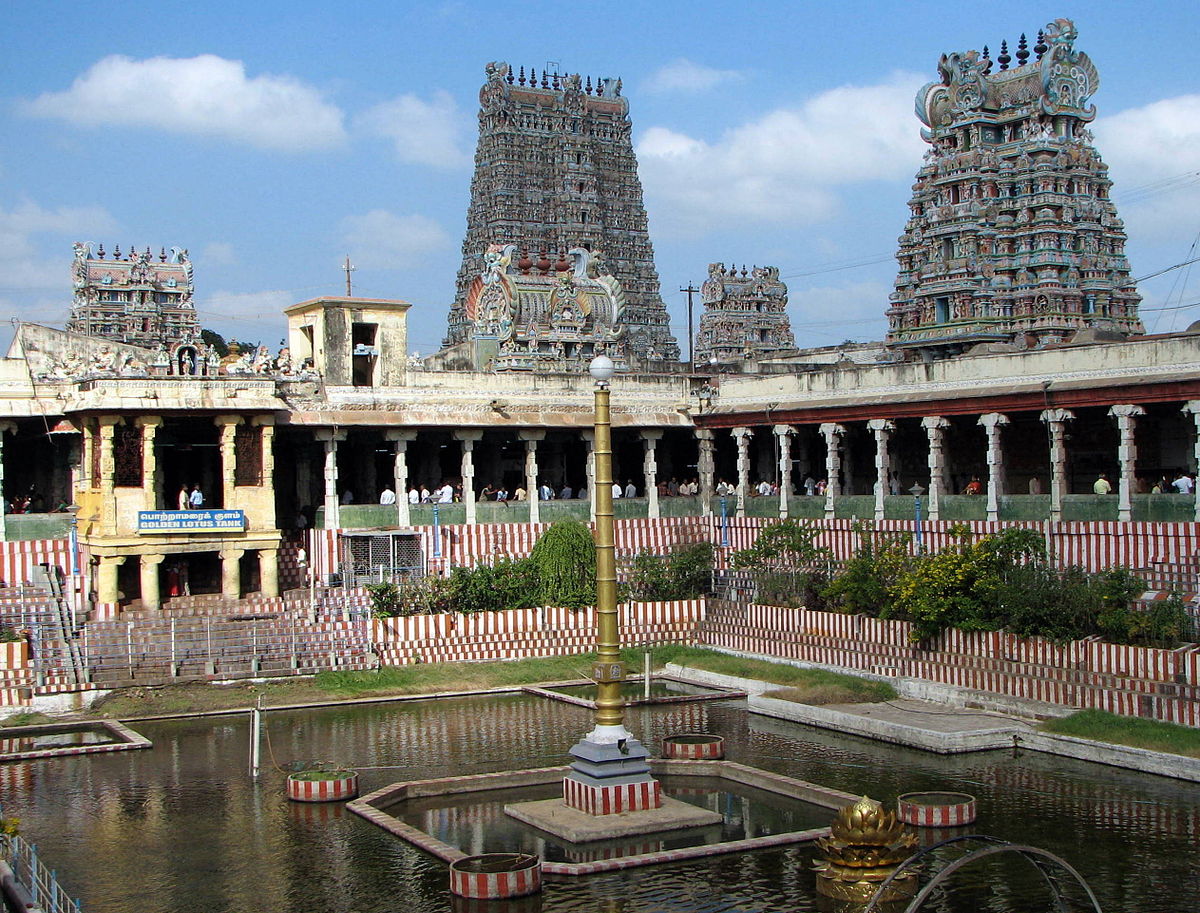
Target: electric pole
691,290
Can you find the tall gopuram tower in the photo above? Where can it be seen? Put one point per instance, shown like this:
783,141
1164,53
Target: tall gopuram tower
138,299
555,170
745,316
1013,237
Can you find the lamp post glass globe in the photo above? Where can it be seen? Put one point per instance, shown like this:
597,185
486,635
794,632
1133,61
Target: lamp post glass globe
602,369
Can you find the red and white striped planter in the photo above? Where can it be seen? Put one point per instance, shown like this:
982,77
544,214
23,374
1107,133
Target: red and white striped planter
612,800
339,790
694,746
496,876
936,809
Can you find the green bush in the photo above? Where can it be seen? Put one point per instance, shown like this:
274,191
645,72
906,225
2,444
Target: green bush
412,596
787,565
685,573
506,584
565,562
869,582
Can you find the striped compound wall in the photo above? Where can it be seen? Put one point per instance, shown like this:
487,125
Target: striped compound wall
1088,674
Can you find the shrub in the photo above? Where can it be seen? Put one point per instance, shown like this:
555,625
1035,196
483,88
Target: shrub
685,573
787,565
565,562
869,582
506,584
413,596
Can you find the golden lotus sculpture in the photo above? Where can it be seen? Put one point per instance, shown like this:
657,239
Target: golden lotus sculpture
866,844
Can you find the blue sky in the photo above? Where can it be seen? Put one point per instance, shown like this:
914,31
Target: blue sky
273,139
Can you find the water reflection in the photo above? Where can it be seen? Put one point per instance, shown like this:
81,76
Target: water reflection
181,827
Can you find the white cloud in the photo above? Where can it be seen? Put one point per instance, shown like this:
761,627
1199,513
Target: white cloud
682,75
1153,154
205,96
383,240
785,166
218,253
423,132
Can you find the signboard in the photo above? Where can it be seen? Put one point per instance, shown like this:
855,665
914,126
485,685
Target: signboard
191,521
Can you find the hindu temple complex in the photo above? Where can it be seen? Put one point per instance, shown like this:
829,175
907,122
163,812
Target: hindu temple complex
745,317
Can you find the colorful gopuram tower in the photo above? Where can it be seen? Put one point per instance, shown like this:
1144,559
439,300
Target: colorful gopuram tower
745,316
1013,237
555,170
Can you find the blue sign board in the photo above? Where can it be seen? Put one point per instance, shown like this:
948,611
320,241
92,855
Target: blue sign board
191,521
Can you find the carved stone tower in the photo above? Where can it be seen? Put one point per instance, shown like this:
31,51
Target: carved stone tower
555,170
745,316
138,299
1013,237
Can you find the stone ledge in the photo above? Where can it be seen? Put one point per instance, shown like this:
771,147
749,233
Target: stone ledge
555,817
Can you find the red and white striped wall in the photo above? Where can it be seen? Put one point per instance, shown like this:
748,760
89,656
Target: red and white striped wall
612,800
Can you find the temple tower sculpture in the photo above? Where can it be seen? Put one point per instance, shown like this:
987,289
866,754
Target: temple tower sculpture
745,316
555,170
1013,237
138,299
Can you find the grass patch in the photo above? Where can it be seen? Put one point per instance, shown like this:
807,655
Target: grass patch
805,686
1101,726
26,718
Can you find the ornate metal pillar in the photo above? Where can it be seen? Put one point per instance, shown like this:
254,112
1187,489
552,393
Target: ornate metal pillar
832,433
742,436
705,467
784,434
467,437
650,438
1126,416
992,423
1056,420
882,428
935,427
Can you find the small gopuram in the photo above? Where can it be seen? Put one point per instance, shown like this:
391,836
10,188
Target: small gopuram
745,317
555,170
524,315
1013,237
137,299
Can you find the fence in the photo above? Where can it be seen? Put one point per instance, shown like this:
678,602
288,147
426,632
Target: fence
32,886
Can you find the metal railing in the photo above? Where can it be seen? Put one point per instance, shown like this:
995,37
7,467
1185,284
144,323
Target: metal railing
33,886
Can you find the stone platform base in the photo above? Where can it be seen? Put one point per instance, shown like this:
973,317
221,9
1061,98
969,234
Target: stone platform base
574,826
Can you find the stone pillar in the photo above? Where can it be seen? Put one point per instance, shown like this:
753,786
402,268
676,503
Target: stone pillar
107,590
992,423
231,577
330,437
12,429
1056,420
151,477
531,438
650,438
882,428
228,425
705,467
833,464
589,439
784,433
468,437
268,571
264,510
151,596
108,471
1193,406
400,441
1126,416
742,436
935,427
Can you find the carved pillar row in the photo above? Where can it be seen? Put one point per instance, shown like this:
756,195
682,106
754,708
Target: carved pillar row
400,441
1126,416
784,433
589,439
1193,406
532,488
992,423
705,468
935,430
467,437
832,433
742,436
882,428
330,438
650,438
1056,421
